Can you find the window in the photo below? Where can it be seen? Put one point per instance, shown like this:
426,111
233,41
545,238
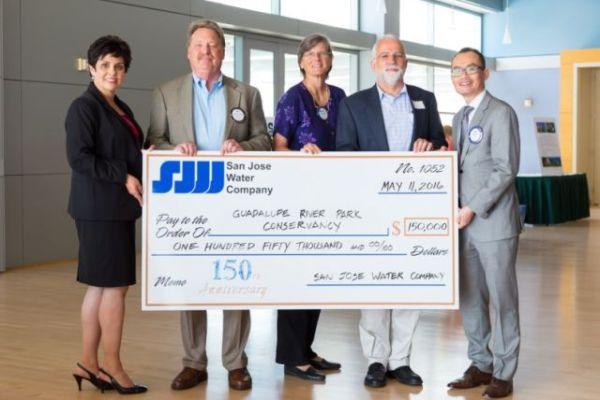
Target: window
344,71
418,75
292,74
415,17
455,29
339,13
436,80
255,5
439,25
271,65
262,77
449,102
228,66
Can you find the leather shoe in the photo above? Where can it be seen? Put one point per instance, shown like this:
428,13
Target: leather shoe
472,377
406,376
498,388
240,379
375,376
188,378
310,374
324,365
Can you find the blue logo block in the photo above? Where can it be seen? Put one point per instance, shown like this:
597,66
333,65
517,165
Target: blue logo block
196,177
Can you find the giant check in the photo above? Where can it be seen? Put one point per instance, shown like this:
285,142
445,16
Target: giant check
288,230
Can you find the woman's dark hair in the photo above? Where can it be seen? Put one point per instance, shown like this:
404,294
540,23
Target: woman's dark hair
308,43
109,44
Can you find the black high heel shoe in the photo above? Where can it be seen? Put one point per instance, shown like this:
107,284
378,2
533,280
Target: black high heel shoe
93,379
135,389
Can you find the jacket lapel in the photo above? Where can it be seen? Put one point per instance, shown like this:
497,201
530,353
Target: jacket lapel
373,108
232,100
137,139
186,108
476,120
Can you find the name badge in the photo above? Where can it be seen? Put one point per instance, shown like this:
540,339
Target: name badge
237,114
418,105
476,134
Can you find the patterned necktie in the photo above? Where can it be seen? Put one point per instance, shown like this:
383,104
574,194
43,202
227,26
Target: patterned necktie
464,125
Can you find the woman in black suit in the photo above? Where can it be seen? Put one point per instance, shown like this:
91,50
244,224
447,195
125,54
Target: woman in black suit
104,151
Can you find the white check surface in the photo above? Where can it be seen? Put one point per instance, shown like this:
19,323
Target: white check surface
336,230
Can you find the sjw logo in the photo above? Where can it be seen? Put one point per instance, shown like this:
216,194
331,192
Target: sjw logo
196,177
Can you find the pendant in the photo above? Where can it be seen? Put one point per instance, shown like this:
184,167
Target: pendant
323,113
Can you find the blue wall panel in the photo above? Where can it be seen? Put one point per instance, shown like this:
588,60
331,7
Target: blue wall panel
514,86
540,27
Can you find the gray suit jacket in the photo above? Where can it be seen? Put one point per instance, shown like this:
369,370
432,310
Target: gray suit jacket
171,116
487,170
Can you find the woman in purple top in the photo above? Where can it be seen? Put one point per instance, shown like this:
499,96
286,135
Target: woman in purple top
305,120
306,114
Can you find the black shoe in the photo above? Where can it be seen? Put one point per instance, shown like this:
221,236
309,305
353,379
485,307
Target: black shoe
135,389
310,374
406,376
324,365
93,379
375,376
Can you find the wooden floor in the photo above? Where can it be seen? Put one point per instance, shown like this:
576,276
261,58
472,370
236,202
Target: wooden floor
559,283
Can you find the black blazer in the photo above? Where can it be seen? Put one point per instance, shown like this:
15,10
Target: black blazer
360,125
101,151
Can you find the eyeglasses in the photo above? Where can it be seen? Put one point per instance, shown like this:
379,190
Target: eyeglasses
389,56
315,54
469,70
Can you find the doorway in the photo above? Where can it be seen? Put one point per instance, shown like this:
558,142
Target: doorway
271,65
588,128
267,67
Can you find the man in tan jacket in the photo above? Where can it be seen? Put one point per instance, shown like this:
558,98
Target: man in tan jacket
204,110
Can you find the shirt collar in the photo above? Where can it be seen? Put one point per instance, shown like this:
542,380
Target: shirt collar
383,94
477,100
202,82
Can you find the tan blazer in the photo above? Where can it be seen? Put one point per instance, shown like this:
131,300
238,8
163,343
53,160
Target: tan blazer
171,116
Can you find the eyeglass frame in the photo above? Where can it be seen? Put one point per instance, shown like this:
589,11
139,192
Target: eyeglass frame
319,54
474,70
386,55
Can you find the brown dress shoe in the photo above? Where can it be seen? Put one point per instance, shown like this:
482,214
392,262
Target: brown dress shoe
188,378
498,388
240,379
472,377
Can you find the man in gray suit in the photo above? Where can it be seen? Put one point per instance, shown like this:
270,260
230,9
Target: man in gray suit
204,110
486,133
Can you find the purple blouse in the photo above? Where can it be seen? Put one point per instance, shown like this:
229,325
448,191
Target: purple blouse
297,119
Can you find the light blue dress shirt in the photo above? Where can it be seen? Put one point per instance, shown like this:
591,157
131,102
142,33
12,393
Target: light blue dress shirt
209,114
398,119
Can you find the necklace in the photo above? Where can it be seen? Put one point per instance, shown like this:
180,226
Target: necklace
322,111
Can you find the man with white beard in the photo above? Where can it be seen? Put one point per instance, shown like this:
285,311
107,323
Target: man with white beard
390,116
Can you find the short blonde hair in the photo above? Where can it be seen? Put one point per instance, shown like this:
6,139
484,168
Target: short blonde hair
207,24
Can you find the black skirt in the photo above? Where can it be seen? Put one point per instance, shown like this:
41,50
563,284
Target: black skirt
106,253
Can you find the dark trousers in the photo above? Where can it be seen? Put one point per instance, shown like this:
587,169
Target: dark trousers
295,335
